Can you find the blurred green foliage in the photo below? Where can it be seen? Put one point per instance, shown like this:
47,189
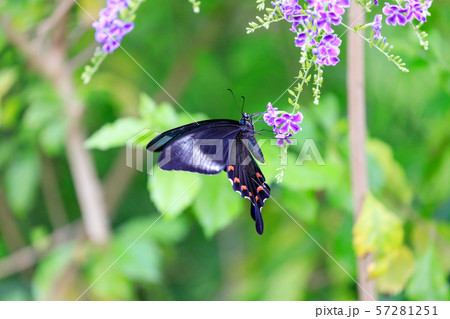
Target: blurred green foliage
205,246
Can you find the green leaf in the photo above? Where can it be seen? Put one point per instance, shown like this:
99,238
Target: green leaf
52,138
49,270
147,107
11,112
115,134
429,280
113,285
302,204
21,181
400,269
166,231
40,113
7,148
396,183
289,281
142,262
379,231
436,187
8,77
217,205
311,176
173,191
163,118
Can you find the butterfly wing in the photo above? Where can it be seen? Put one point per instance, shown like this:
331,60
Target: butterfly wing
198,147
254,148
159,142
247,179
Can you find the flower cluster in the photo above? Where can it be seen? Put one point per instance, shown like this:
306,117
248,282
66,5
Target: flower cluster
376,26
313,24
284,125
398,15
413,9
109,29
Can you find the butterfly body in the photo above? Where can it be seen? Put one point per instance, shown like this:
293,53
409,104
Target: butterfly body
212,146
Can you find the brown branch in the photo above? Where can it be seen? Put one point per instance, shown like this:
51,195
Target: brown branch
8,225
52,197
52,65
356,100
117,180
50,23
27,257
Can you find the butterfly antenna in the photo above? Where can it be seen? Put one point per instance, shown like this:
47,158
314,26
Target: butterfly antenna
234,98
243,102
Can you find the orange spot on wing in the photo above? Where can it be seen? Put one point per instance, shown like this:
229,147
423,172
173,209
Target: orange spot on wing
260,188
250,193
256,198
237,180
243,188
258,175
230,168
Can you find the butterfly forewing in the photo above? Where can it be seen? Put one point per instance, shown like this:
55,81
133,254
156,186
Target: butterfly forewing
203,151
162,140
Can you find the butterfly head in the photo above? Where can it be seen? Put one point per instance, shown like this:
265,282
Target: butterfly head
245,118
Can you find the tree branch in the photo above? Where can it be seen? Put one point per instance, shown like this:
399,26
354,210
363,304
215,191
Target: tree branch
50,190
8,226
52,65
27,257
48,24
356,100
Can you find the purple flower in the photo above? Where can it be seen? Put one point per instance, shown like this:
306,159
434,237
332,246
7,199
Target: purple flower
292,12
375,2
301,39
327,18
316,5
270,115
306,38
289,122
395,14
416,10
328,50
337,6
282,138
110,30
117,3
376,26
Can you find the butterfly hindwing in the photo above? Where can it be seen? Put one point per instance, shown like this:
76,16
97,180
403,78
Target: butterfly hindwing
247,179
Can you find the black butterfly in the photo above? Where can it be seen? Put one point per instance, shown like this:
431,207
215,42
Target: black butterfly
212,146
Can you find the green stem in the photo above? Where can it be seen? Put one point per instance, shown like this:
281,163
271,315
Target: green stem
388,56
89,72
304,78
265,25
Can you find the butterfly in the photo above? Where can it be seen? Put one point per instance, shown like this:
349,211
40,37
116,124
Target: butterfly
212,146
